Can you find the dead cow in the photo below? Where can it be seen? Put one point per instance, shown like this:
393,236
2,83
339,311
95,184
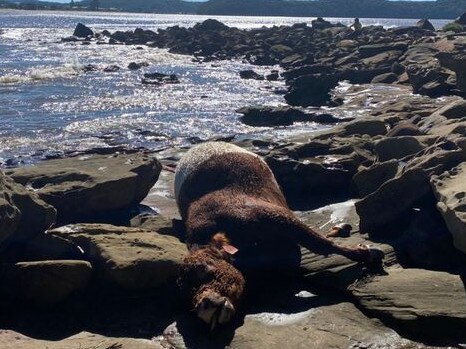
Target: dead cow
230,201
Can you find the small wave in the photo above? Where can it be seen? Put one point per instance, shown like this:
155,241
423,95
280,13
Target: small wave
41,74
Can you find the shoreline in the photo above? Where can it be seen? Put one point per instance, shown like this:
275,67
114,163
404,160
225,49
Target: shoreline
219,17
92,234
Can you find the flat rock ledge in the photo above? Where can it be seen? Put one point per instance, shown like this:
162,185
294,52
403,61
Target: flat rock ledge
427,303
14,340
129,258
83,186
338,272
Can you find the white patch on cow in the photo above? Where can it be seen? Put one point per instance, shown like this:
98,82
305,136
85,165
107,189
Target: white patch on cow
199,154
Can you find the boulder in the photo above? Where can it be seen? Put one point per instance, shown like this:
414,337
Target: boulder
429,81
369,127
461,19
111,68
295,59
310,178
10,215
450,190
81,31
271,116
281,116
387,78
311,90
427,303
455,61
39,248
392,202
250,74
84,186
273,76
22,213
320,23
453,110
159,78
404,128
382,61
44,282
397,147
370,179
210,25
425,24
376,49
387,209
137,66
128,258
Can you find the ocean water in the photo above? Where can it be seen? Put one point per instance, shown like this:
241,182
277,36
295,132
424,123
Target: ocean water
49,105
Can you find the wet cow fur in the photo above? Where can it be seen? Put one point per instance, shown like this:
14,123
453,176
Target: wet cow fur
236,193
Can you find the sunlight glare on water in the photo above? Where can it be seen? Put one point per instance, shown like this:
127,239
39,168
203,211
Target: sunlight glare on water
48,104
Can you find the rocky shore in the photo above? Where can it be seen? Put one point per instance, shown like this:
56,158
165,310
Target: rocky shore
90,243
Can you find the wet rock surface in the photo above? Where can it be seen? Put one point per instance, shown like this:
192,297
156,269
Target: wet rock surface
433,62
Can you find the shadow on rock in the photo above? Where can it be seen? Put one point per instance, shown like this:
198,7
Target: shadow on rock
190,332
135,315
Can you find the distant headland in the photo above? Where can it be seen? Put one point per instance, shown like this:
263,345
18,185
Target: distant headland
440,9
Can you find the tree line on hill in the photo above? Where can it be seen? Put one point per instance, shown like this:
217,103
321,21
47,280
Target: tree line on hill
440,9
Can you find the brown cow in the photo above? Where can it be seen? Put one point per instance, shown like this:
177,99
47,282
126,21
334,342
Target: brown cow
230,201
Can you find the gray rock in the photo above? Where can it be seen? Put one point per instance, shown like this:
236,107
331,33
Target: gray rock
364,127
137,65
44,282
22,213
428,303
450,190
81,31
372,50
404,128
83,186
454,110
425,24
281,116
271,116
397,147
391,202
14,340
311,177
387,78
338,272
250,74
129,258
292,322
461,19
321,23
311,90
370,179
41,247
